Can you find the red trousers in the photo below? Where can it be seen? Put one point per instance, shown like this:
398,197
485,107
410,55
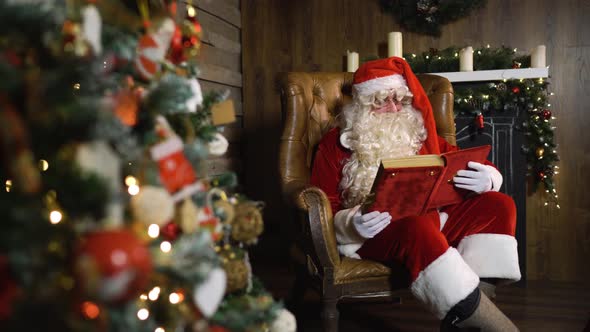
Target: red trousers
417,241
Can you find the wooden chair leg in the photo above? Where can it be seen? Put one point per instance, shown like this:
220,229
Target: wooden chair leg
330,314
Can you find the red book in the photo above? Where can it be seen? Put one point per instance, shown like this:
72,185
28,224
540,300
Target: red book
413,185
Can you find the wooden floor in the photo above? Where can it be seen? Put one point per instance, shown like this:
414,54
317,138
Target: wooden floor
534,306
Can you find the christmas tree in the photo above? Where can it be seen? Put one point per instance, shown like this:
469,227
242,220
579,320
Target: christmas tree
110,220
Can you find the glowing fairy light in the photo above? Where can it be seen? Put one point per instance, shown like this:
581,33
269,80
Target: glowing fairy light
153,231
165,246
55,217
143,314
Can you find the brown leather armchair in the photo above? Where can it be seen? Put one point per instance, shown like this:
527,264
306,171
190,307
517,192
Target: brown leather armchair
310,102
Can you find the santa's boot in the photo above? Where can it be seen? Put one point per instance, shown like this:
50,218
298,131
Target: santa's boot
477,311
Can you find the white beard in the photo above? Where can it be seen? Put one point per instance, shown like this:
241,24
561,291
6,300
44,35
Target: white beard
373,137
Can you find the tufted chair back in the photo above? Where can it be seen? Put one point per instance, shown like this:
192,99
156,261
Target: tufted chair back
310,104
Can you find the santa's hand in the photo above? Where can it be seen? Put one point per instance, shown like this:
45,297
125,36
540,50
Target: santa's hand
370,224
481,179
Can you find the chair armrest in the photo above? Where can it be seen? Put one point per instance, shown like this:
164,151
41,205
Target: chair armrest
314,201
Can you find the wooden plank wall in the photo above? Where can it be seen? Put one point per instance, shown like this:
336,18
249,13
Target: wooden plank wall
220,66
308,35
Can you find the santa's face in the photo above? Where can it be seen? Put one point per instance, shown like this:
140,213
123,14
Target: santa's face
376,128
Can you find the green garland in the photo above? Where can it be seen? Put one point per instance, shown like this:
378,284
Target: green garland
487,98
427,16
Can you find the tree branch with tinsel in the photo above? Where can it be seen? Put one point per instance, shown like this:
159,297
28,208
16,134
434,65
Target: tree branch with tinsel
480,99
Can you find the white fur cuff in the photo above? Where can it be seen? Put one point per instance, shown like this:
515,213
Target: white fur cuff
349,250
344,228
379,84
444,283
491,255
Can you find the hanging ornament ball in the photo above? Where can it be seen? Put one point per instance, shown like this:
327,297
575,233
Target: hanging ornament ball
515,89
152,205
247,224
170,231
546,114
238,274
284,322
540,152
113,266
501,87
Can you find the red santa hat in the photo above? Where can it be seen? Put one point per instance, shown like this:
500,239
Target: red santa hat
393,73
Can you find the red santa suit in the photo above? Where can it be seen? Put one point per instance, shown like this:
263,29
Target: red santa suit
445,252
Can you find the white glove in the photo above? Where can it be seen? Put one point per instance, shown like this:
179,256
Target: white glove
479,180
370,224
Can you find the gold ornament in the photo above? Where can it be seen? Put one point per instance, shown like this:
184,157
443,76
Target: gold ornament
540,152
247,224
188,216
238,274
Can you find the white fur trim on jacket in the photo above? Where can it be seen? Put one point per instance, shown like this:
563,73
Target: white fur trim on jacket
444,282
491,255
378,84
497,178
348,239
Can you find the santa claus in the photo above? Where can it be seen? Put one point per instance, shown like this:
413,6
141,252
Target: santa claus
452,254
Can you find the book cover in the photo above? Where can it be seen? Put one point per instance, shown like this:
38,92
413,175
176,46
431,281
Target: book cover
413,185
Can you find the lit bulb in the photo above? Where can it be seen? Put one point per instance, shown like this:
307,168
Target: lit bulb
55,217
548,105
546,203
154,293
165,246
159,329
143,297
153,231
133,190
515,49
143,314
130,181
77,86
174,298
413,55
190,10
488,45
8,184
559,207
456,55
43,165
427,57
478,52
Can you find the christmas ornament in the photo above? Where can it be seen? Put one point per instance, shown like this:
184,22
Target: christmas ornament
247,224
91,28
188,216
127,106
225,211
73,42
152,49
218,145
208,294
540,152
516,64
284,322
479,120
238,274
208,222
113,266
99,158
546,114
152,205
170,231
515,90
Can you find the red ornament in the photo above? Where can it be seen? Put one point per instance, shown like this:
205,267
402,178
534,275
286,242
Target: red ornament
515,89
113,265
546,114
479,120
217,328
176,53
541,175
170,231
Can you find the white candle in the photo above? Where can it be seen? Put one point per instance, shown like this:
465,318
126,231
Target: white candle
352,61
394,44
466,59
538,57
